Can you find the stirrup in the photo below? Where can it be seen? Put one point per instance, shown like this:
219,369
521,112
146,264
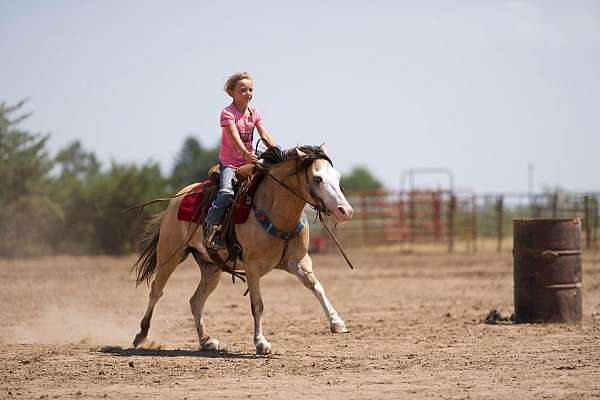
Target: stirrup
211,237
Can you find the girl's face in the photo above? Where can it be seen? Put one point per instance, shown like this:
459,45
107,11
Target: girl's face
242,94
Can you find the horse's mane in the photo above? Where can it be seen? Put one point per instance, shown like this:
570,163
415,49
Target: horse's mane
274,156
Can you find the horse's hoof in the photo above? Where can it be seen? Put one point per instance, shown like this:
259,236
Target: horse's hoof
139,339
213,345
263,348
338,327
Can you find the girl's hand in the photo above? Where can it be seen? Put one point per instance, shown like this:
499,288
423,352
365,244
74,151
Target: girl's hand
250,157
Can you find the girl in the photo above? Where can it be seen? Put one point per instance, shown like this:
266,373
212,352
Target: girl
238,121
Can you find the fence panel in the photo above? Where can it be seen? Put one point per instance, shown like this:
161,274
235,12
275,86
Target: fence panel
453,221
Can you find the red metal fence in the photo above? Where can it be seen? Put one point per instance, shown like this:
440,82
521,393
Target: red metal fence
454,220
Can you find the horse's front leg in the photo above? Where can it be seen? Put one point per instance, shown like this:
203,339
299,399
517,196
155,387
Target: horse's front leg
303,270
253,279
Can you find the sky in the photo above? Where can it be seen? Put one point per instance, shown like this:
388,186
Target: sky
481,88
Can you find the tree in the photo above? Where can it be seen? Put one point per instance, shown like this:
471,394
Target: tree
76,169
27,215
192,163
109,194
94,202
74,162
360,178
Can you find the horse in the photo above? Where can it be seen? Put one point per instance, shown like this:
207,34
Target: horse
295,177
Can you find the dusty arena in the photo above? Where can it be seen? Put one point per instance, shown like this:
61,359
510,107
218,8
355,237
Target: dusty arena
416,331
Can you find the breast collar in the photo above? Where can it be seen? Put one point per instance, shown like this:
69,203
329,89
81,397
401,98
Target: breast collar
264,221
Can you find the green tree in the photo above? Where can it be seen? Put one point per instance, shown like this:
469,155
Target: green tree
192,163
360,178
76,169
27,214
106,197
94,202
74,162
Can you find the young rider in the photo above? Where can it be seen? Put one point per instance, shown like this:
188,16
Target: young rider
238,121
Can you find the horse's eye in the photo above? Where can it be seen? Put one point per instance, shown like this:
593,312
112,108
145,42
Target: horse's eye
317,179
342,189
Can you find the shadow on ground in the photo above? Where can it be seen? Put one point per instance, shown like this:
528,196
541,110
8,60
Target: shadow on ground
131,352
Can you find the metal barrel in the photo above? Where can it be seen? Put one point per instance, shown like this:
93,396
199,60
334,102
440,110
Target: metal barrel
547,270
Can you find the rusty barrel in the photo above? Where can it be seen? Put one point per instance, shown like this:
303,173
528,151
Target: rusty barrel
547,270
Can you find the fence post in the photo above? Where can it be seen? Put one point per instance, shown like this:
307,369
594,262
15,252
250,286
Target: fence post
595,232
586,219
474,223
500,221
401,218
412,216
451,208
437,219
535,209
554,205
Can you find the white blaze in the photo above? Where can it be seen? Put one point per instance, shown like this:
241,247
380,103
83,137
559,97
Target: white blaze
329,191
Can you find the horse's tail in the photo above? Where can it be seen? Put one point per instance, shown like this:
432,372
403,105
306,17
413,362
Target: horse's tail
145,266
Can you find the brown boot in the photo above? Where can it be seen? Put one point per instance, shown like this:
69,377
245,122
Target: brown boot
211,237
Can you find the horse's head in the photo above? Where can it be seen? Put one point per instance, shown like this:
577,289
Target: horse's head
323,185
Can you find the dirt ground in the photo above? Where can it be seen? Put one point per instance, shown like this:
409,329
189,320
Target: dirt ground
415,320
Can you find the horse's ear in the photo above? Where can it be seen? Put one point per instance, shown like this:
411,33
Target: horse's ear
323,147
300,153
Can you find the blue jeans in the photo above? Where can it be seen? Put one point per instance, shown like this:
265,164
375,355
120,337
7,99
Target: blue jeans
224,196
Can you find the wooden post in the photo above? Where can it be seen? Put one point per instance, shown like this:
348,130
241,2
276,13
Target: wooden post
400,225
595,220
474,223
412,216
587,222
451,208
437,218
554,205
500,220
535,209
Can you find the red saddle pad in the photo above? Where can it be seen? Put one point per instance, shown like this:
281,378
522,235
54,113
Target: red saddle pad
189,209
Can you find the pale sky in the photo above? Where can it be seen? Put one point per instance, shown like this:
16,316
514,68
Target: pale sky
483,88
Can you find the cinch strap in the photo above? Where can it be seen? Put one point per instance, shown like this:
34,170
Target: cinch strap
262,218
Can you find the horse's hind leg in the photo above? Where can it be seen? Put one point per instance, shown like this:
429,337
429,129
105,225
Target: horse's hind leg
303,270
208,283
163,272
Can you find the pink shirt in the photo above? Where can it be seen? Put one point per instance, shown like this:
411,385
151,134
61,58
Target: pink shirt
229,155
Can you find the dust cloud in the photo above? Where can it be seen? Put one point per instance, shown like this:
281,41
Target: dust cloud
72,324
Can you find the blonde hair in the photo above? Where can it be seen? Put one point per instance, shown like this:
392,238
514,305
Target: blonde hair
233,80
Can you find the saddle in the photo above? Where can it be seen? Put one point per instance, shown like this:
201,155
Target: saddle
248,178
242,173
197,201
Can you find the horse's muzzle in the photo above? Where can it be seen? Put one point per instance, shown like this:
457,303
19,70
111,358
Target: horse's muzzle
342,213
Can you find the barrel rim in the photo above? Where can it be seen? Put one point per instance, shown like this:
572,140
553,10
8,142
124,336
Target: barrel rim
546,219
521,252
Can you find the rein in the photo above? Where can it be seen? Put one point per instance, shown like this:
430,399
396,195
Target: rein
320,206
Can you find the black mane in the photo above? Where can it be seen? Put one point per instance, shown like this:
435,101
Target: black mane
274,156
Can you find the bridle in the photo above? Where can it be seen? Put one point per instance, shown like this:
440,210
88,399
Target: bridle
318,205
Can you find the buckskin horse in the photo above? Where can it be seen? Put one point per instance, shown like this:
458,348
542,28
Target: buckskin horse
298,176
